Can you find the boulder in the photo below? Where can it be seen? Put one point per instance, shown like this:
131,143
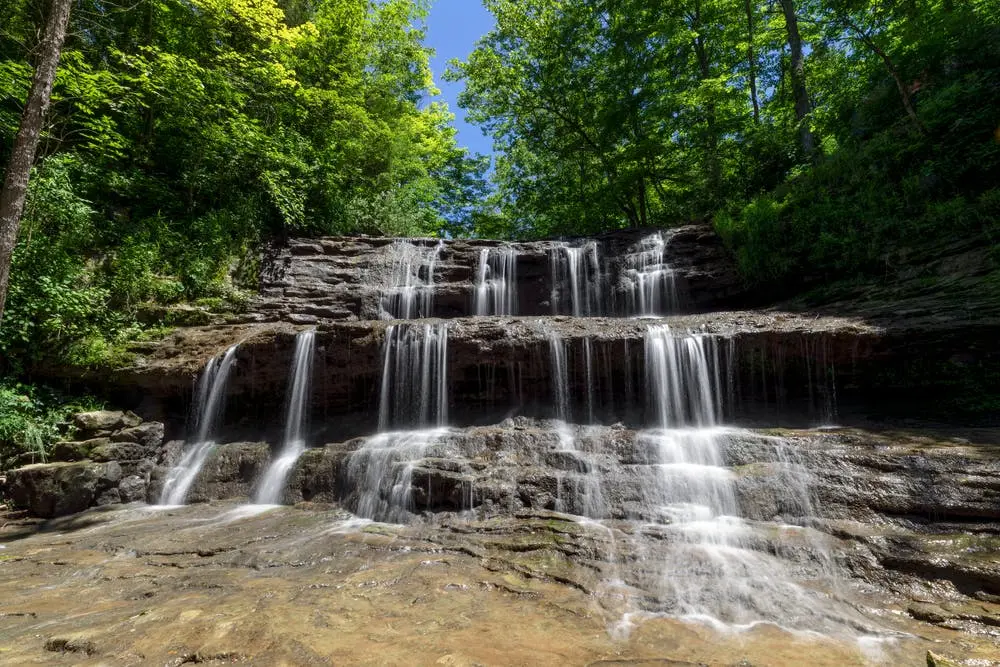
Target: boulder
121,451
105,420
109,497
148,434
132,489
231,471
76,451
55,489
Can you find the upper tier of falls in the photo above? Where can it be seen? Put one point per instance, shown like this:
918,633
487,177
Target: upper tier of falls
622,275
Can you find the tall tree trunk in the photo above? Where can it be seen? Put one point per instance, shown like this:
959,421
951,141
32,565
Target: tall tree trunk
752,62
798,77
15,186
713,164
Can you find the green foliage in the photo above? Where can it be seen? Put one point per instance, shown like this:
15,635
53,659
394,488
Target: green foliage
29,420
184,134
636,113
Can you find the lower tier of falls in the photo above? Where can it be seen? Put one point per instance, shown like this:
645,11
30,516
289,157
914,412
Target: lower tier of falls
683,536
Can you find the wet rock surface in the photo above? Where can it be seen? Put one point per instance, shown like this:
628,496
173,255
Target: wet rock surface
110,462
306,585
882,541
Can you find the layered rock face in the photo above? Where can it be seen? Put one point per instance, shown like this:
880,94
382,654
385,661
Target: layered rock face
309,281
582,412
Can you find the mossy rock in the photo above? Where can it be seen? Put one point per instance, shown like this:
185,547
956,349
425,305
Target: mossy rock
934,660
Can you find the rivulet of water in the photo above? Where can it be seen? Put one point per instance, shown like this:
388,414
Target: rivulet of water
272,485
210,399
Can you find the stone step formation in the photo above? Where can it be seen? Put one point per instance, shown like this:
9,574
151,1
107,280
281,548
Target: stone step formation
597,382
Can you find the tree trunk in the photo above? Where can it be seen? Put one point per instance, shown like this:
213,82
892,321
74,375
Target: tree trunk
15,186
890,66
713,165
798,77
752,62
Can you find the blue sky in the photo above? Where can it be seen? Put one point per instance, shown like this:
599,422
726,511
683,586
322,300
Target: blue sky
452,30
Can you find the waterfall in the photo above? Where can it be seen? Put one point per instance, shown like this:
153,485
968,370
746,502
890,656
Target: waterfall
560,376
496,281
414,394
414,376
682,376
272,485
209,401
649,280
588,497
381,470
577,282
719,565
409,293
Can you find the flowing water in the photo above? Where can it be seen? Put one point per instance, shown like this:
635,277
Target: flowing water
414,395
585,481
577,280
272,485
496,281
409,293
717,561
649,282
414,389
210,398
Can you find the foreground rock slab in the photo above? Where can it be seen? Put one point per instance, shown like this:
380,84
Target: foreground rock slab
309,585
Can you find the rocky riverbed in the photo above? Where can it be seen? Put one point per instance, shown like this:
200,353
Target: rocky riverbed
909,519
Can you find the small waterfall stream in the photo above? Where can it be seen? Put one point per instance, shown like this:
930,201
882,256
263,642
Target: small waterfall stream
496,281
577,280
409,293
272,485
210,400
650,283
414,395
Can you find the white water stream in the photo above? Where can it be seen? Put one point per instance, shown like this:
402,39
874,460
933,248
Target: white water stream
210,398
272,485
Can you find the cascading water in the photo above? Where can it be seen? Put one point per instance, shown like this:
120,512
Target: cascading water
587,495
409,293
719,564
293,443
577,281
649,281
210,401
496,281
414,389
414,394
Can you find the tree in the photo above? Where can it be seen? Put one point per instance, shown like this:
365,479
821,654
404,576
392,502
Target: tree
799,92
15,186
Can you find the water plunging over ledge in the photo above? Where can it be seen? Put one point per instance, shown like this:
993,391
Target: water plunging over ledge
409,293
577,280
272,485
210,399
414,395
496,282
717,563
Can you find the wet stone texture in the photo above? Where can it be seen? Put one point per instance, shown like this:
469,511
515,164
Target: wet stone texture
219,584
494,565
515,535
